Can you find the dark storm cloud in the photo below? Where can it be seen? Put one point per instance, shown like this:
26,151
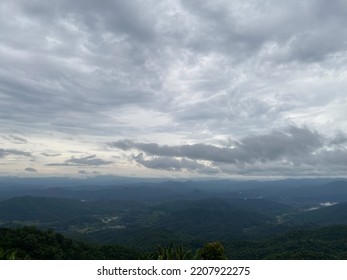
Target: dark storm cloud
91,160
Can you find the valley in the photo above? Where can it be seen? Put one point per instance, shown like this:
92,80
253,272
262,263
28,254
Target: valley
146,215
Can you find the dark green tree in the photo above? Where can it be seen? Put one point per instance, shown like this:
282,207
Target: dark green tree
211,251
8,255
171,252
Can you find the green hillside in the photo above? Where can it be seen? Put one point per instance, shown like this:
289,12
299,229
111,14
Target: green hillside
31,243
328,243
191,222
246,227
336,214
210,218
40,208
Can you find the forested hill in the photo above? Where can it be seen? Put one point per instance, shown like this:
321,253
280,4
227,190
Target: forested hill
145,225
188,214
326,243
31,243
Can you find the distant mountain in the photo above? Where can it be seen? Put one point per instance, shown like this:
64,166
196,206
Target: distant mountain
288,193
102,181
17,183
136,193
305,195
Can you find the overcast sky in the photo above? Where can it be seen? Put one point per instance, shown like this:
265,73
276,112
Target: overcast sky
239,89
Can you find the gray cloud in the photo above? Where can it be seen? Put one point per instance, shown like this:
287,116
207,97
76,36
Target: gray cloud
288,151
50,154
276,145
340,138
15,139
49,94
30,169
182,71
173,164
84,172
91,160
88,60
9,152
309,31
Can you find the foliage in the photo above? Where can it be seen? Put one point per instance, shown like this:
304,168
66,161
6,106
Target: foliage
170,252
31,243
320,243
326,243
211,251
8,255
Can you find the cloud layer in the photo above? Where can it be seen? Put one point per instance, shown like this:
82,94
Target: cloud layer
178,78
294,150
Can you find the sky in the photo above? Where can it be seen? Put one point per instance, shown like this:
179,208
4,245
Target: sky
178,89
